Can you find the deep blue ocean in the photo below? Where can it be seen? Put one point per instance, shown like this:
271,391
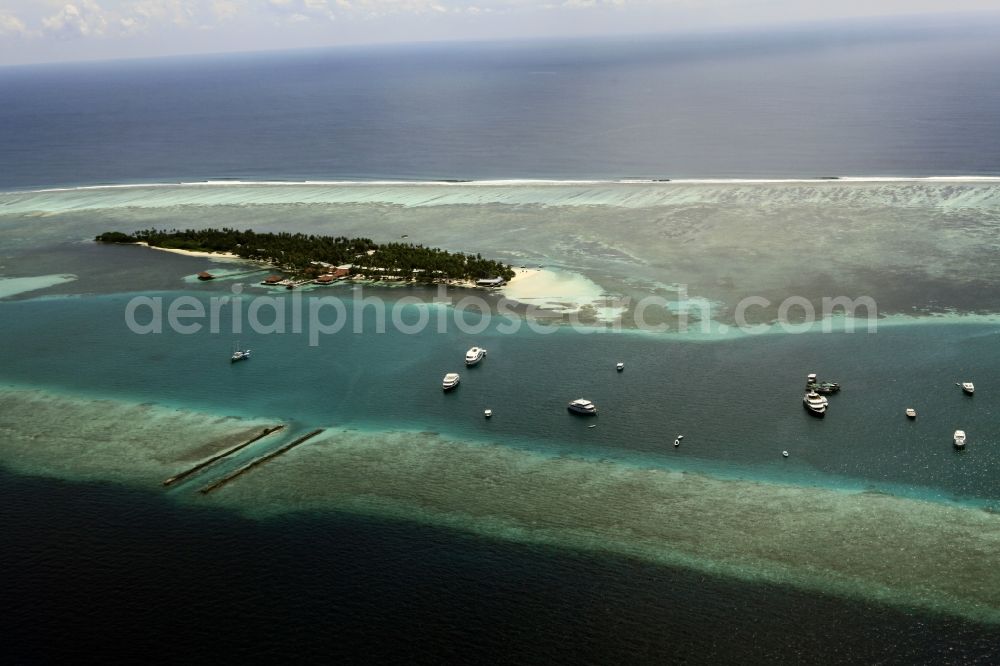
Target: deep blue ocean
853,102
102,570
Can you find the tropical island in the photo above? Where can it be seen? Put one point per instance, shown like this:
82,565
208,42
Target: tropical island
307,256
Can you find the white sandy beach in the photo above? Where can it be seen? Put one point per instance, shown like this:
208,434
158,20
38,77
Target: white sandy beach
559,291
194,253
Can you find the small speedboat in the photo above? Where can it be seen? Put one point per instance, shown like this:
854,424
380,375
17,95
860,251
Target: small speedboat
582,406
911,413
620,366
959,439
474,356
784,454
968,388
815,403
450,381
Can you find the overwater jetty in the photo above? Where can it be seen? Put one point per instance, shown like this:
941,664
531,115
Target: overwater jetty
257,461
252,271
205,463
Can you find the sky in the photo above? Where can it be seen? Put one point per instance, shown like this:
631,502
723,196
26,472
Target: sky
73,30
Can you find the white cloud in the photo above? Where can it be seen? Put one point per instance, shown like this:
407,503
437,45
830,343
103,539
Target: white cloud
84,19
46,30
11,25
146,13
300,11
225,9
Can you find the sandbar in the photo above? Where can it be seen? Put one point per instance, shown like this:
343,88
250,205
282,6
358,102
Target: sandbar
21,285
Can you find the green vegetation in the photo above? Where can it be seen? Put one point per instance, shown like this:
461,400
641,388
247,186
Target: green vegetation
116,237
297,253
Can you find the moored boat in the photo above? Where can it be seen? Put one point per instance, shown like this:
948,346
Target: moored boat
813,384
815,403
911,413
474,356
959,439
620,366
582,406
450,381
239,354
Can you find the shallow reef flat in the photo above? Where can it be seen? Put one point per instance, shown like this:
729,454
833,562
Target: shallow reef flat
947,192
944,557
84,439
905,552
906,244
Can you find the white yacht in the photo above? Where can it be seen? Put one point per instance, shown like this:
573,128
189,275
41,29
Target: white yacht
959,439
582,406
815,403
488,413
450,381
239,354
968,388
911,413
474,356
620,366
